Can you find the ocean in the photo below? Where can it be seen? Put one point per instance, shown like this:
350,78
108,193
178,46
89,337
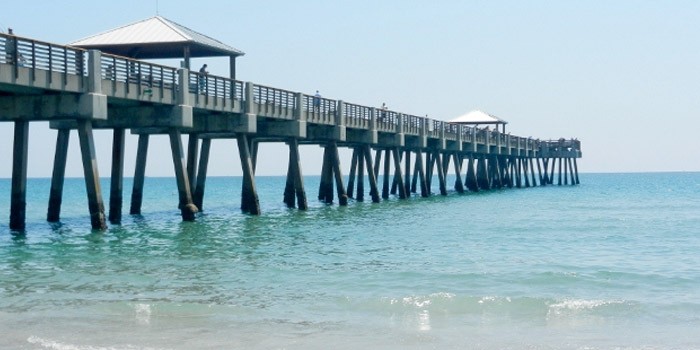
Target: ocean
612,263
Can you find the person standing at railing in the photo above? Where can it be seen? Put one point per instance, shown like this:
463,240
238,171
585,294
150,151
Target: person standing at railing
203,78
383,112
317,102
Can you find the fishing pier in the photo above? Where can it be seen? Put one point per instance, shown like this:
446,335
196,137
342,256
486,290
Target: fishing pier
83,89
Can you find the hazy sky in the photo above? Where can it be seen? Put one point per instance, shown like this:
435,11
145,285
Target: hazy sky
622,76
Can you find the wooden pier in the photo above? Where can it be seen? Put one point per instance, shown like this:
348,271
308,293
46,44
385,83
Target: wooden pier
83,90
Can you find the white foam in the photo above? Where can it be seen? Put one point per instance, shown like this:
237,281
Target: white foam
143,313
55,345
578,305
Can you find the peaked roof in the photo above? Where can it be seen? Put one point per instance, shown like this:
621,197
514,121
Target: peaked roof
478,117
156,37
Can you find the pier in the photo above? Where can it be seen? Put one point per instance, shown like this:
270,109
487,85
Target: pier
80,89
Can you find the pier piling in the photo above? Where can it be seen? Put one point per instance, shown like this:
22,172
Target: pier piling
58,176
139,175
117,178
18,202
186,205
92,178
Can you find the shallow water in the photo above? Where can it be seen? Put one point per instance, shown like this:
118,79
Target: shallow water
608,264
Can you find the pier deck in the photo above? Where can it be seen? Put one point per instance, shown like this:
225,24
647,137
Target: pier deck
78,89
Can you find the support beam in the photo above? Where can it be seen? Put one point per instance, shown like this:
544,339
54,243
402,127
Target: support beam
481,175
192,151
414,180
289,198
297,174
523,163
459,185
385,179
441,173
532,173
116,188
471,182
325,190
560,161
360,175
92,177
186,205
421,175
249,195
371,174
429,169
397,173
202,174
576,171
18,202
59,175
342,195
353,172
139,175
377,161
407,178
539,172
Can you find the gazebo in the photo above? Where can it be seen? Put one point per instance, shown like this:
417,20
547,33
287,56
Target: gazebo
477,118
159,38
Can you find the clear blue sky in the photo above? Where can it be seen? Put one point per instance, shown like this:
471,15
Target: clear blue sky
622,76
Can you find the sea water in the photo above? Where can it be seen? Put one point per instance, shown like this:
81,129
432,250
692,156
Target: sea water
612,263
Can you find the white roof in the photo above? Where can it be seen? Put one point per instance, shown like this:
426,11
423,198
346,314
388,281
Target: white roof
478,117
155,31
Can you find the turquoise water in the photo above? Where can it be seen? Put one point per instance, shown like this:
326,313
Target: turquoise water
612,263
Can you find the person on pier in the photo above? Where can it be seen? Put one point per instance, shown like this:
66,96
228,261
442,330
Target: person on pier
203,78
317,102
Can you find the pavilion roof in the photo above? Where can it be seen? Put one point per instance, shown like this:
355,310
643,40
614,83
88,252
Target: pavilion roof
478,117
154,38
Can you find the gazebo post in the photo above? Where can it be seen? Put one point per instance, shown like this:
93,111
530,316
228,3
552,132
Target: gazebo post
186,56
232,66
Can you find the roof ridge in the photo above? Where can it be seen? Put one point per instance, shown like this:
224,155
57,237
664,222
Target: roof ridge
111,30
173,25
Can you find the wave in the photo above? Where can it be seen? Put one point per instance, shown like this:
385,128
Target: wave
50,344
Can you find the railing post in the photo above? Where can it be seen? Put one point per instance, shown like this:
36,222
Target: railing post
340,113
248,97
372,119
181,114
95,71
183,95
339,127
299,124
299,107
460,138
399,123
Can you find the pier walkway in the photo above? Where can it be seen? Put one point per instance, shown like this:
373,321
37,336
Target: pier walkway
79,89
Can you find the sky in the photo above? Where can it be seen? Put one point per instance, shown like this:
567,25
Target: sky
621,76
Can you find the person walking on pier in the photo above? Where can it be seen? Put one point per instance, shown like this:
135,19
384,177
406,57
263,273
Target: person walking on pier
203,78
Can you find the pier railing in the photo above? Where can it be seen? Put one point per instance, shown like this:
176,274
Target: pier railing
387,120
39,55
357,116
215,86
125,74
319,110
